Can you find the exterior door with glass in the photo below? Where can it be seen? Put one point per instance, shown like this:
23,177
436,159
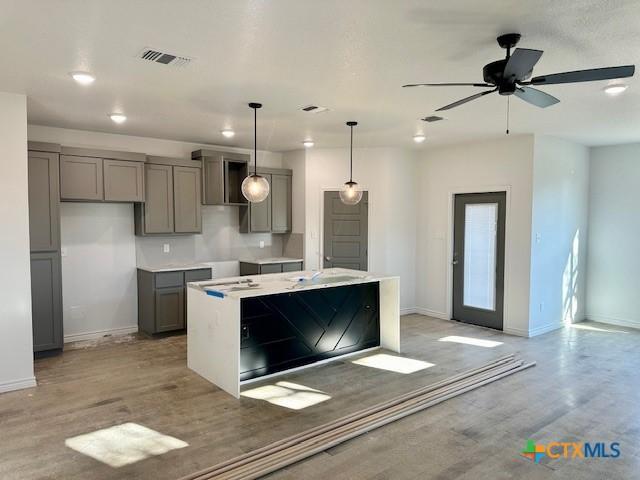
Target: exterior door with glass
478,258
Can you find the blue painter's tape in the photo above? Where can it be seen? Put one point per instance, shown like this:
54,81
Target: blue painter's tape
215,293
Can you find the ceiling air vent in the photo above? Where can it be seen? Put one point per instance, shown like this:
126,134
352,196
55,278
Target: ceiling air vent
432,118
164,58
314,109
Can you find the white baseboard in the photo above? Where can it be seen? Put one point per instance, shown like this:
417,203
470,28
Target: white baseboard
432,313
78,337
18,384
518,332
622,322
408,311
544,329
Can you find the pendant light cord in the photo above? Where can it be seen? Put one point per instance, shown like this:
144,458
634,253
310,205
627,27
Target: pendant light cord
351,156
255,141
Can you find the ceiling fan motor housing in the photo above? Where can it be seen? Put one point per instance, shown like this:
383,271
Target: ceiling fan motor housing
493,74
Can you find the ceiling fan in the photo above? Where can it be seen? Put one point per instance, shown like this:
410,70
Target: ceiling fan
511,76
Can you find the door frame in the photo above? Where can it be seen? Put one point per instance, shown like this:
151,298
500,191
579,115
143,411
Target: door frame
321,225
507,234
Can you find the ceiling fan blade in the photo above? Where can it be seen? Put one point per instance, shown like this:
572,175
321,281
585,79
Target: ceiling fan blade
465,100
521,63
535,97
591,75
448,85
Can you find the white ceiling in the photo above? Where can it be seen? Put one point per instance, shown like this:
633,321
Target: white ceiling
349,55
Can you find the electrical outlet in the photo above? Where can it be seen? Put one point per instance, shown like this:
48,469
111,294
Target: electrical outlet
261,243
166,248
538,237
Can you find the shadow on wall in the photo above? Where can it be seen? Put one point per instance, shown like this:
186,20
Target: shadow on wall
570,282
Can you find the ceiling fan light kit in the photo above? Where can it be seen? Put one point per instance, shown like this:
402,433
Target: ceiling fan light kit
351,193
255,188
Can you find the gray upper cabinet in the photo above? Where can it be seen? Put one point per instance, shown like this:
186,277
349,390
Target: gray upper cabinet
156,215
273,215
186,198
81,178
259,214
44,201
172,198
123,181
281,203
92,175
222,176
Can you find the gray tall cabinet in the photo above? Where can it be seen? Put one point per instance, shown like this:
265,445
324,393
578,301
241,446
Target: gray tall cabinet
44,232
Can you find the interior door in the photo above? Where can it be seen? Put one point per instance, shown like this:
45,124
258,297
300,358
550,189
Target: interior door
478,258
345,232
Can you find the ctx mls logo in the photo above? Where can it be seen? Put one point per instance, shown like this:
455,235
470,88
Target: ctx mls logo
569,450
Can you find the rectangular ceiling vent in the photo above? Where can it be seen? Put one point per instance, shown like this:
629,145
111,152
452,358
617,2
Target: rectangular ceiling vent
156,56
314,109
432,118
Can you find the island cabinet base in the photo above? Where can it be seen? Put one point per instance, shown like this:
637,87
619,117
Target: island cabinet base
288,330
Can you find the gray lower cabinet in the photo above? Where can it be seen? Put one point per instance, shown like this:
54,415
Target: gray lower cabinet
81,178
44,201
172,200
250,268
162,305
169,307
46,301
273,215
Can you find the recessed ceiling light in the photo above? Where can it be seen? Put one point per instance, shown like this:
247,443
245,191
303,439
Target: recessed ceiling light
83,78
419,138
308,143
118,117
615,89
227,133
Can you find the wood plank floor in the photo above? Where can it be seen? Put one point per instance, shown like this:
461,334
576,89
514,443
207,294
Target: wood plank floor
586,387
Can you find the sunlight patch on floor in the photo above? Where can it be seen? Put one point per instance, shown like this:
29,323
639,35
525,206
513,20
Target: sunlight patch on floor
393,363
288,395
124,444
591,328
478,342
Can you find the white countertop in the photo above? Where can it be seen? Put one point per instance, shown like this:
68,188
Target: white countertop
270,284
174,267
267,261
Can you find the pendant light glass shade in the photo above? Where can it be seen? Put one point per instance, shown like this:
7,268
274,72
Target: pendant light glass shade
351,193
255,188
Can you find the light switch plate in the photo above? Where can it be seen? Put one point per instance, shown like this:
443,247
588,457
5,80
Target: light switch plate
166,248
261,243
63,251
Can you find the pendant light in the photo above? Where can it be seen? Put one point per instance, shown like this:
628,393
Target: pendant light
255,188
351,193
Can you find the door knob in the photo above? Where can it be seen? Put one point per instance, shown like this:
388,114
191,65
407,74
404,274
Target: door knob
328,259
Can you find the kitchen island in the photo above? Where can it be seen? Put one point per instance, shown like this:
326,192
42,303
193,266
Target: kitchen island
245,328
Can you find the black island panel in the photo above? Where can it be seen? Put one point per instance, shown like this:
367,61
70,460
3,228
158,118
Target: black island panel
288,330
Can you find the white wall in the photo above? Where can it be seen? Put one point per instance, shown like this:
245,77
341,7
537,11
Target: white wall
16,343
467,168
613,284
388,174
98,269
559,234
